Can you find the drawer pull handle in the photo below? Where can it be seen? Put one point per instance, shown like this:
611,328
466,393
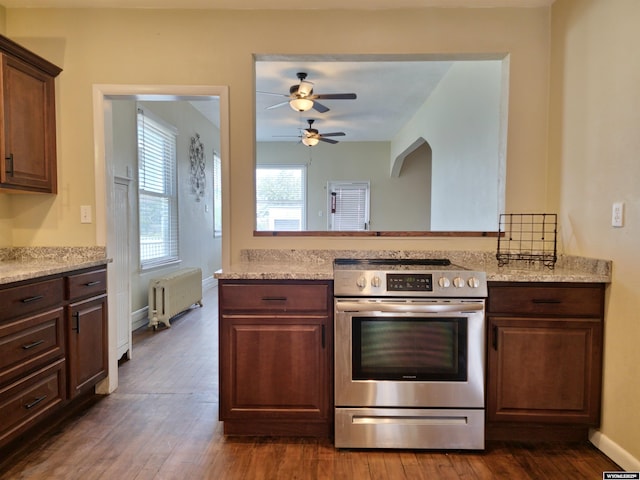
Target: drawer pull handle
274,299
546,300
29,346
9,164
29,406
32,299
91,284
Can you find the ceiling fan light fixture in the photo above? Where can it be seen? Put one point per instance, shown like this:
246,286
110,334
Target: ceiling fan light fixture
305,89
301,104
310,141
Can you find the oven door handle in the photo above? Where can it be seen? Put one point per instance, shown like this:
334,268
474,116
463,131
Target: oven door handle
400,307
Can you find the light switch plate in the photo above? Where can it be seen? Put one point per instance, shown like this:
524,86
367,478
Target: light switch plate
85,214
617,215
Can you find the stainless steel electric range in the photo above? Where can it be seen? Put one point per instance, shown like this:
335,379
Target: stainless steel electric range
409,354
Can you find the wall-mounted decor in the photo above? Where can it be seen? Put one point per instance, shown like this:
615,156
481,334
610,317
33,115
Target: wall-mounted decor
196,157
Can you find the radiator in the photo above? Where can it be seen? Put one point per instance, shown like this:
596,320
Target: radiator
173,294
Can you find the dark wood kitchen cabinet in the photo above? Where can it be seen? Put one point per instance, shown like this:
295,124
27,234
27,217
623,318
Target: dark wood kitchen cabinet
544,360
27,121
32,354
276,357
86,329
44,360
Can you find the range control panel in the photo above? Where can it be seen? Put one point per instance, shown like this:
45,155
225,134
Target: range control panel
410,282
379,283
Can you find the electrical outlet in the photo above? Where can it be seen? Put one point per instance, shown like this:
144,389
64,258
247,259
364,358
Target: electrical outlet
85,214
617,215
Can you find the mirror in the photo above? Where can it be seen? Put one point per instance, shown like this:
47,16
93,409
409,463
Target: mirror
421,149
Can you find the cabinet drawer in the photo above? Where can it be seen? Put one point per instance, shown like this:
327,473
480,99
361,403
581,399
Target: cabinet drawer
547,300
30,342
82,285
26,299
24,402
274,298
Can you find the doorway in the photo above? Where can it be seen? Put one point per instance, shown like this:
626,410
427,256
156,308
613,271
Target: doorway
108,222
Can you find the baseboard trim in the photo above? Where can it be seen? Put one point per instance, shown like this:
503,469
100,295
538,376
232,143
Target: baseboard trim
140,318
209,282
614,451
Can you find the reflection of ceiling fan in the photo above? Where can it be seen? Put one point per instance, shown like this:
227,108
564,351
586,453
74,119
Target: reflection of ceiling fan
311,136
302,98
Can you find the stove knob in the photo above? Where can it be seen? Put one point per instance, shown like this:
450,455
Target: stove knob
458,282
375,281
473,282
361,281
444,282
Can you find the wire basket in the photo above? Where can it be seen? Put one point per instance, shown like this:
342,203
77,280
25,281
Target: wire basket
529,237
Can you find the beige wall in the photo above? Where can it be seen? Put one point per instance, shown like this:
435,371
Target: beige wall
215,48
594,145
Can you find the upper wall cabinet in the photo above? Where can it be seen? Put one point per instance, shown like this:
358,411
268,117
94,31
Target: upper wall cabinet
27,121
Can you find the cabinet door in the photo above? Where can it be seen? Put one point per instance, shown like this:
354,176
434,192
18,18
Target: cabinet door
87,343
544,370
274,368
29,139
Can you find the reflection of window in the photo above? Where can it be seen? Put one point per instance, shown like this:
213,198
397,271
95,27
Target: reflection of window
348,206
280,197
217,195
157,194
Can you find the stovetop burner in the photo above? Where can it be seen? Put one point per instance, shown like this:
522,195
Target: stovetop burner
427,262
408,264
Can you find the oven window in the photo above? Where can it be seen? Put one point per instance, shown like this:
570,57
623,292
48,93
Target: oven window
415,349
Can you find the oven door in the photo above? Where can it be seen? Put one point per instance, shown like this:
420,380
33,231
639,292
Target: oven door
409,353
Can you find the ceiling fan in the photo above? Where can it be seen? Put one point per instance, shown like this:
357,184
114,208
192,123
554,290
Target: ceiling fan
311,136
302,98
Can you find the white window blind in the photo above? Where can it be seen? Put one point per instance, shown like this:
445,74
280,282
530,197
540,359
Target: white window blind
281,197
157,193
348,206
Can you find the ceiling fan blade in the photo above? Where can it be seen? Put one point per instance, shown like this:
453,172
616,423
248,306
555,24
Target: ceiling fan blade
328,140
277,105
319,107
336,96
273,94
333,134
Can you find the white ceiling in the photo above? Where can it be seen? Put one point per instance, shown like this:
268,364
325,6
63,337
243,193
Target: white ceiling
388,94
272,4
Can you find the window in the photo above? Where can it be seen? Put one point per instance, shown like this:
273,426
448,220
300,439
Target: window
157,193
348,206
281,197
217,195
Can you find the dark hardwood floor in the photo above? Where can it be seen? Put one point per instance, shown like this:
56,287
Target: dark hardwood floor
161,423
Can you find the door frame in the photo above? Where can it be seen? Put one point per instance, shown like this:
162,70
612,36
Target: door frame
103,94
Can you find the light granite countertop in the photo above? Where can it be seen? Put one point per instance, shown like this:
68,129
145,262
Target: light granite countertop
26,263
318,265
